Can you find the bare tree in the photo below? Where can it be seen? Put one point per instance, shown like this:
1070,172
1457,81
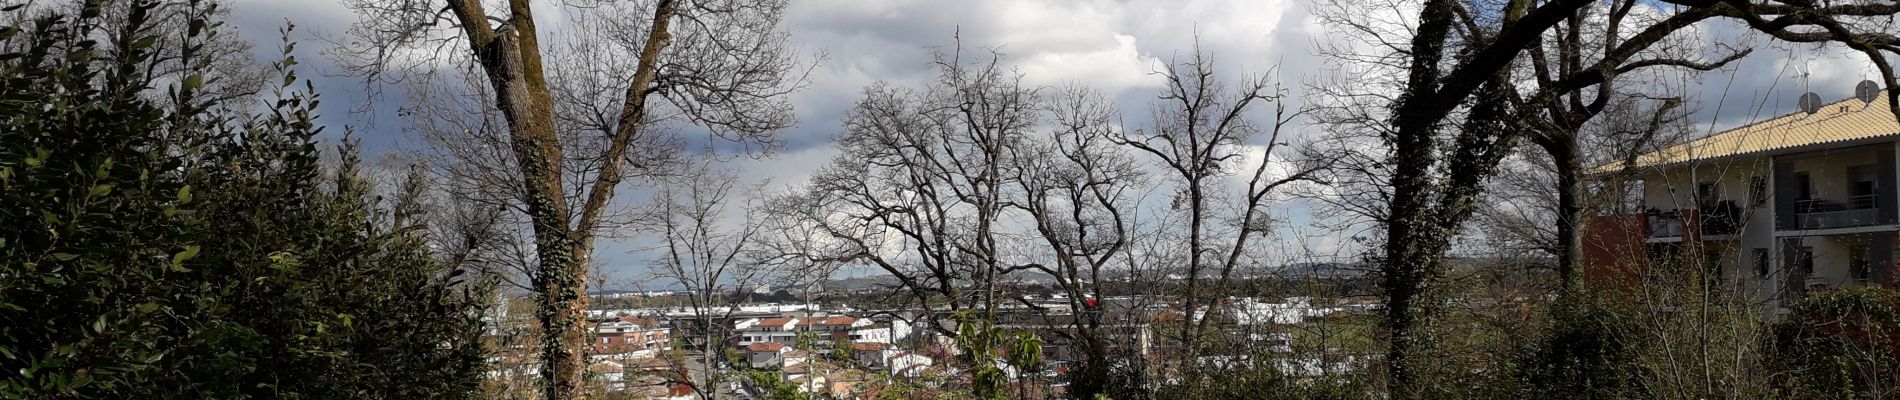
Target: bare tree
1078,188
919,191
707,256
1199,135
719,64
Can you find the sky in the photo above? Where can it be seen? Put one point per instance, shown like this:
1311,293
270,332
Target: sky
1111,45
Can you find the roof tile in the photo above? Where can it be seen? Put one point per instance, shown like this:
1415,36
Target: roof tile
1840,121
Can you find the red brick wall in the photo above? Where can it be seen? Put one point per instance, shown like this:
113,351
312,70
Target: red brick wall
1613,247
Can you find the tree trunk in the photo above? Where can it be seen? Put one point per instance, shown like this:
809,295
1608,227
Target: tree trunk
1190,342
512,61
511,57
1093,378
1570,216
1403,268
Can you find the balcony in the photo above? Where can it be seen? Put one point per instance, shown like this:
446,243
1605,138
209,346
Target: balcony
1665,224
1721,218
1821,214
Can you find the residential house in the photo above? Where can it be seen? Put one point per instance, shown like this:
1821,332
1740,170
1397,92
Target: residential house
843,383
766,354
1773,210
611,374
656,378
624,337
781,330
825,329
808,373
847,328
883,356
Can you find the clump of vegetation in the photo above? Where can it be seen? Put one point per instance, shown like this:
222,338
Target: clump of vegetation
1588,351
161,245
1841,344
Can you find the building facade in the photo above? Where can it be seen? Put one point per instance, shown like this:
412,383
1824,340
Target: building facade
1773,210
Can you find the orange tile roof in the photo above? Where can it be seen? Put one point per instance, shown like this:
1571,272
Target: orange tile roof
1836,122
651,364
604,368
869,346
833,320
779,321
762,347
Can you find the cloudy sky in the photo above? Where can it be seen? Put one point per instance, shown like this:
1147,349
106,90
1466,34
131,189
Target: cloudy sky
1111,45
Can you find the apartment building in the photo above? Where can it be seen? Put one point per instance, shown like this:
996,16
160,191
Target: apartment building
786,329
630,336
1774,210
780,330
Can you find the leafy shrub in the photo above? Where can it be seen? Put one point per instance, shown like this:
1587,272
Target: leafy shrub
161,245
1840,344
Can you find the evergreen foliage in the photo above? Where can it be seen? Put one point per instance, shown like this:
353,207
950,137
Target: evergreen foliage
159,245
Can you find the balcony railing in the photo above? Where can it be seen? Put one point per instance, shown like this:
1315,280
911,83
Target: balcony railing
1665,224
1719,218
1838,219
1862,201
1858,210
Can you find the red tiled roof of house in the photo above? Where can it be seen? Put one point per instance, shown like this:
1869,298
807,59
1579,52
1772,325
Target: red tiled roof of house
835,320
846,375
651,364
603,368
764,347
777,321
869,346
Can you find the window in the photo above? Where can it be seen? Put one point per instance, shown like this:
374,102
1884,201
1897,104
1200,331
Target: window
1806,267
1803,187
1707,193
1758,190
1858,264
1761,263
1861,186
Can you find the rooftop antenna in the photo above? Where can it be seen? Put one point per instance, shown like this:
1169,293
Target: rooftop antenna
1810,103
1866,91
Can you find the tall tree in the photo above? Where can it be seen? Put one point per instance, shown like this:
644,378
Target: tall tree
720,64
919,192
1078,190
711,258
1200,133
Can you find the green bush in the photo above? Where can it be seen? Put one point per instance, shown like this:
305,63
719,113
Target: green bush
1590,350
158,245
1840,344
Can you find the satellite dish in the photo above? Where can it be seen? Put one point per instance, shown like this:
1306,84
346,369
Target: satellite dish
1810,103
1866,91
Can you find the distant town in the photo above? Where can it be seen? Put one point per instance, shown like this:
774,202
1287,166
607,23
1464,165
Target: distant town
647,343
